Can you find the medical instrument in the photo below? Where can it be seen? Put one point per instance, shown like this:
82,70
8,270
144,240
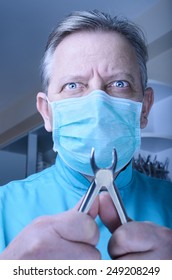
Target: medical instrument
104,180
152,168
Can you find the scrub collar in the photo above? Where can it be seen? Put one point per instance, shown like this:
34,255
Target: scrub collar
78,181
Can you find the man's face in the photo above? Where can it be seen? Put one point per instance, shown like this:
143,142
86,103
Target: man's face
86,61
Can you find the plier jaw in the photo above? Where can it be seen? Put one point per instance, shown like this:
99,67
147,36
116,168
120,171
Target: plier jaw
104,180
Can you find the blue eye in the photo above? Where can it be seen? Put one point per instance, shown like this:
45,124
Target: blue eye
121,84
72,89
72,85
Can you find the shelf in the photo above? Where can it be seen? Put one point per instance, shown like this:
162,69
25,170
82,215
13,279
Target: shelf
44,141
37,147
155,144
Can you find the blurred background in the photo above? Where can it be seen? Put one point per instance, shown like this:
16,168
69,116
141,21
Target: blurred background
25,147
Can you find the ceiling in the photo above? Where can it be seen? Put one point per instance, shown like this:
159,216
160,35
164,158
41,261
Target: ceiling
24,28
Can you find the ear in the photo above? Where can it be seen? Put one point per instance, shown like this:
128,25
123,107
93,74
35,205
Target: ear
147,104
44,110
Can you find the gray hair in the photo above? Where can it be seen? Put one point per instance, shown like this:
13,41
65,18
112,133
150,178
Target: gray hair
93,21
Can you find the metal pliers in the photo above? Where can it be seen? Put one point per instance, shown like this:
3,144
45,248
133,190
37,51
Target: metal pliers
104,180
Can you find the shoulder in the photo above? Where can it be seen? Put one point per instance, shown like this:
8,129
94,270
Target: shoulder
152,199
150,186
32,181
151,181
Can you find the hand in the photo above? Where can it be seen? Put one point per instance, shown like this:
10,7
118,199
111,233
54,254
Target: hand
70,235
134,240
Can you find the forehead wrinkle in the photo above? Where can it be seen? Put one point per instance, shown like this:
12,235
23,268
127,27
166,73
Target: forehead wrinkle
70,78
117,62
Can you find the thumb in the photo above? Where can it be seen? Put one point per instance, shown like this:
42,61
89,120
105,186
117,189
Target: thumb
75,226
94,210
108,212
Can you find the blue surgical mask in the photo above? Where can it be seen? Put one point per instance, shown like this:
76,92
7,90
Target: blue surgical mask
95,120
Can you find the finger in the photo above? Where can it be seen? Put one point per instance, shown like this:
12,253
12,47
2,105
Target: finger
48,238
148,255
132,237
93,212
108,212
75,226
77,251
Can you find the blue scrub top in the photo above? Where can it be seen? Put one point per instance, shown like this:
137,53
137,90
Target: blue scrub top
59,188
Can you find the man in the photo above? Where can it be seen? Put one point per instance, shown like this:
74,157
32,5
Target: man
95,95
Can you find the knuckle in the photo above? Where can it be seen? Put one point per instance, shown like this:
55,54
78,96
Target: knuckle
40,220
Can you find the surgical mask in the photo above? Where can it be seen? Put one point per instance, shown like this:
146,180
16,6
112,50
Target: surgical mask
97,121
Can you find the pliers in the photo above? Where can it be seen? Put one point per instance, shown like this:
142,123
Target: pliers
104,180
